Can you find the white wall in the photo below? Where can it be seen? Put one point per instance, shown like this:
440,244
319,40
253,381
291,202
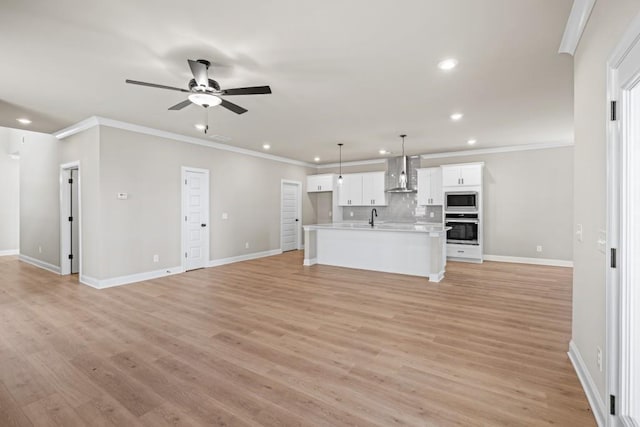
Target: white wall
147,167
10,195
39,197
84,148
606,25
527,201
120,237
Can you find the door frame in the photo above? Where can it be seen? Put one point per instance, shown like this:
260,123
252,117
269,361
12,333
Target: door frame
65,227
298,211
183,224
620,342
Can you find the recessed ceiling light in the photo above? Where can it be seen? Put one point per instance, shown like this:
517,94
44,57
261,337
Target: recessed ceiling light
266,146
471,141
316,159
200,126
24,121
456,116
448,64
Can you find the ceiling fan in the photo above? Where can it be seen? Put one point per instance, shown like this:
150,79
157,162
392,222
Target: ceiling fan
205,91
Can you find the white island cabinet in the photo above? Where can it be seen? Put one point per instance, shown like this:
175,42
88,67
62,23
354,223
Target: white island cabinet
414,249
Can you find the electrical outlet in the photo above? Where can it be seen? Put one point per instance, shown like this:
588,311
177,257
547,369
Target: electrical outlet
599,357
432,214
351,213
225,215
39,249
539,248
156,258
246,245
579,232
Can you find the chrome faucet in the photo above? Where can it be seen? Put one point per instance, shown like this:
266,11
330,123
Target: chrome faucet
373,211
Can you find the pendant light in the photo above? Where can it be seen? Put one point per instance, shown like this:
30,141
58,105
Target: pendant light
340,177
403,175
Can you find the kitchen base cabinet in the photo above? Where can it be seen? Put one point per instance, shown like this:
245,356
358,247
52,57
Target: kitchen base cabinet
468,253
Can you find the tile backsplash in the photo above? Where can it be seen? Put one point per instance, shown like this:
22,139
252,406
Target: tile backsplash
402,207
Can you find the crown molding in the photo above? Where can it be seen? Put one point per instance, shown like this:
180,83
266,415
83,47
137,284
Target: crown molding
509,149
354,163
102,121
77,128
577,21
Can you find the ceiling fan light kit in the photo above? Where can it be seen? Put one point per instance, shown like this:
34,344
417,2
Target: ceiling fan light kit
206,92
205,99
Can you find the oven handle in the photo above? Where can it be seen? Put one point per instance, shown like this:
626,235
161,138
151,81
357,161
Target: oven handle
466,221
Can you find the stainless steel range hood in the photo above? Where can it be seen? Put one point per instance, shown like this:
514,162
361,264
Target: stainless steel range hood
395,166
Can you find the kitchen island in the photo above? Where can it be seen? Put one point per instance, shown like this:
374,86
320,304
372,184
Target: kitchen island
414,249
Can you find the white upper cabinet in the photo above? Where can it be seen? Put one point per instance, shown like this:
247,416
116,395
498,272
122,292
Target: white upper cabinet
362,189
430,186
373,193
323,182
462,175
350,191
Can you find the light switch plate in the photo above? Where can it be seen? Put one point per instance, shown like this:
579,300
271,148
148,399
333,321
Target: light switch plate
579,232
123,196
602,241
225,215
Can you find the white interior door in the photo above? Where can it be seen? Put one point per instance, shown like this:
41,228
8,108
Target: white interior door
195,208
290,214
75,221
70,219
623,225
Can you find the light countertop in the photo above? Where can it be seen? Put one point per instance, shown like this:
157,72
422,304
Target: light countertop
382,226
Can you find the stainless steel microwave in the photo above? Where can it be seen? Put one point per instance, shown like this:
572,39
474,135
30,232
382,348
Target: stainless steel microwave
461,201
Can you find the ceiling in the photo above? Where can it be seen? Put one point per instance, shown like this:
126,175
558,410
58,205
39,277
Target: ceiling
359,72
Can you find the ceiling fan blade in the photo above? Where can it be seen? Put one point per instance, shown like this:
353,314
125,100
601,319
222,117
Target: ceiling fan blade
199,71
233,107
180,105
135,82
255,90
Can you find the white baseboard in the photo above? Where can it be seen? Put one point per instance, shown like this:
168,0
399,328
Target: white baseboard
10,252
523,260
149,275
593,396
132,278
246,257
41,264
436,277
311,261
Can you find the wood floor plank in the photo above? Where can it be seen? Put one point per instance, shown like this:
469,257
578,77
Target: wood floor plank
269,342
11,415
53,411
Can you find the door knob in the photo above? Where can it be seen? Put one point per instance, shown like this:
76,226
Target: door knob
296,219
203,225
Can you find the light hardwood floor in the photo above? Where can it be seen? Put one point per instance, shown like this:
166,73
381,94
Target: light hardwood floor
270,342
